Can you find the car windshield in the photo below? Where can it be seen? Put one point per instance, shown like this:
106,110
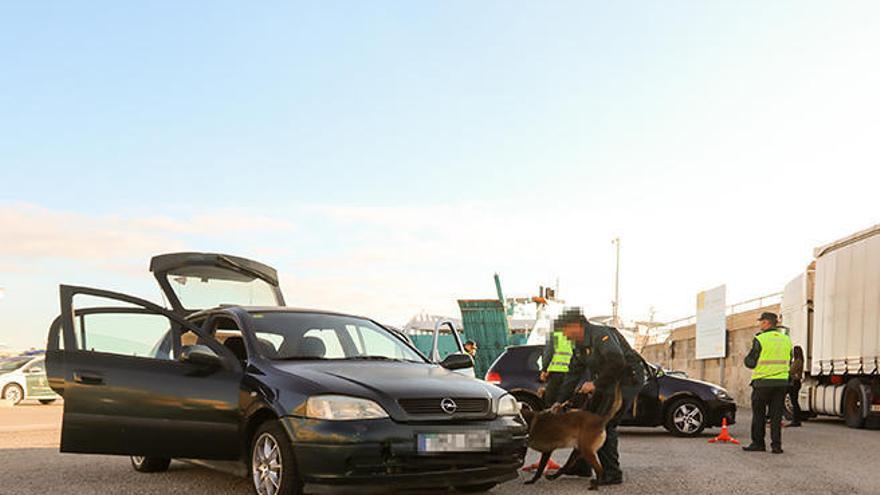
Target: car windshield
12,364
316,336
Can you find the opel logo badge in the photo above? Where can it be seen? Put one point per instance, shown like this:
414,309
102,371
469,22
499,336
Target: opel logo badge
448,405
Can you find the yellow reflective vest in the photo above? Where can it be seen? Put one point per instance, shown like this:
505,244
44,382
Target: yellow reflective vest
562,352
773,364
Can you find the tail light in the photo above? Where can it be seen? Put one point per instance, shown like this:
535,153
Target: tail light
493,377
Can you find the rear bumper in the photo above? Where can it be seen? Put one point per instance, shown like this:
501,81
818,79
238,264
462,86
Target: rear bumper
718,410
382,455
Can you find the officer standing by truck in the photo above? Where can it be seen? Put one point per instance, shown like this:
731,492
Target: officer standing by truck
557,356
769,361
603,353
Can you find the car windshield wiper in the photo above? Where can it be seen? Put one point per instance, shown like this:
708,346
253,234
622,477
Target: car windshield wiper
381,358
300,358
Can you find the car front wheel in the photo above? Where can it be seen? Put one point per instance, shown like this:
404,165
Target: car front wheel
686,418
150,464
13,393
273,468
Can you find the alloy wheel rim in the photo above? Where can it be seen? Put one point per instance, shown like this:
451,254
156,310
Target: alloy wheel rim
266,467
138,459
13,394
688,418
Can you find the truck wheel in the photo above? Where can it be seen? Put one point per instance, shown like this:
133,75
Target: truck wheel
853,400
686,418
13,393
788,412
150,464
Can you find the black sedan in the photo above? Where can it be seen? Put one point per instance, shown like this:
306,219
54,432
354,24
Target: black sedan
302,399
682,405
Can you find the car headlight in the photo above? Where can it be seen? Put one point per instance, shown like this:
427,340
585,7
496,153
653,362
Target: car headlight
343,408
721,393
507,406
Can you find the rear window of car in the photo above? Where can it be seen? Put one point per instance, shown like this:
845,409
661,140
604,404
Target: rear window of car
521,359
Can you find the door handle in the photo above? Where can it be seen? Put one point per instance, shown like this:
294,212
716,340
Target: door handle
88,378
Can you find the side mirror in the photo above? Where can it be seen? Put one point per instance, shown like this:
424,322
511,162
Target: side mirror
457,362
201,355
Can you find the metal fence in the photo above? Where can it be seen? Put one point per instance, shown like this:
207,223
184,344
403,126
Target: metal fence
659,334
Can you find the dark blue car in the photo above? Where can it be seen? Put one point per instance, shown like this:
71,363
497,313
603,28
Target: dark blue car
685,407
300,400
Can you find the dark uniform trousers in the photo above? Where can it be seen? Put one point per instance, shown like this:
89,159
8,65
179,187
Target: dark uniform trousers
553,388
764,398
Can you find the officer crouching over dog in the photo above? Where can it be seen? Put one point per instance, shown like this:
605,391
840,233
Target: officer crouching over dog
602,358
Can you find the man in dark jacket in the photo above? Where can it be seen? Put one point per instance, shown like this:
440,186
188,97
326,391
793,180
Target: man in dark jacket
769,361
602,353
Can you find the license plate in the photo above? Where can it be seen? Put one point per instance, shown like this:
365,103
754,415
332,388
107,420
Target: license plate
875,407
471,441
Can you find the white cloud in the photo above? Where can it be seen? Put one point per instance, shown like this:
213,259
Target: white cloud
30,232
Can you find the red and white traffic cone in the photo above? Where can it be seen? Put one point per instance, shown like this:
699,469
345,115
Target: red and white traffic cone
724,436
551,466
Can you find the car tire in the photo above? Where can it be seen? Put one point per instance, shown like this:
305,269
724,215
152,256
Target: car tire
271,463
686,418
150,464
46,402
13,393
483,487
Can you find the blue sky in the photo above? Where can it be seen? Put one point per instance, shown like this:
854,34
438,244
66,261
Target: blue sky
388,157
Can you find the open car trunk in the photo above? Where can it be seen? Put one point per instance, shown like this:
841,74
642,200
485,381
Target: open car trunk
196,281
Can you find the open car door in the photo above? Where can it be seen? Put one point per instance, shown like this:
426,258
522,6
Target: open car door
436,354
131,388
195,281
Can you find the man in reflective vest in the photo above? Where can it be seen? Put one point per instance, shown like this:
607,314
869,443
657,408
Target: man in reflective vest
769,361
557,355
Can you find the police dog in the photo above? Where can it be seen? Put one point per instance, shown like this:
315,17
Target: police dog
582,430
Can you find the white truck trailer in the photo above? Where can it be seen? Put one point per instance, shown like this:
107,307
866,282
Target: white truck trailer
833,313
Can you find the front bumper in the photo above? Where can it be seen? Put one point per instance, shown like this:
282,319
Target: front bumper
382,455
718,410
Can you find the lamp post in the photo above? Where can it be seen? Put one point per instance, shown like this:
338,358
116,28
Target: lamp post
615,304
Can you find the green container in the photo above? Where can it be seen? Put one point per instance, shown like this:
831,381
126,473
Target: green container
485,323
445,344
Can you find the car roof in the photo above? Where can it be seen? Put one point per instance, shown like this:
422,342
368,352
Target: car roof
273,309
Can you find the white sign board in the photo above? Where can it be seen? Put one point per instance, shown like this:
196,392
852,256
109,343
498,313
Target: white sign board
712,323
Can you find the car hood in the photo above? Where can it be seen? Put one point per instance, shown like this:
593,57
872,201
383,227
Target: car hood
387,381
694,380
694,384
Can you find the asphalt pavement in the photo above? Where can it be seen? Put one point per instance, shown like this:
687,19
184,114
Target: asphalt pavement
823,457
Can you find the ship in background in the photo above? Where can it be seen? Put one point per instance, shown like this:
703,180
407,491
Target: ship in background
497,323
